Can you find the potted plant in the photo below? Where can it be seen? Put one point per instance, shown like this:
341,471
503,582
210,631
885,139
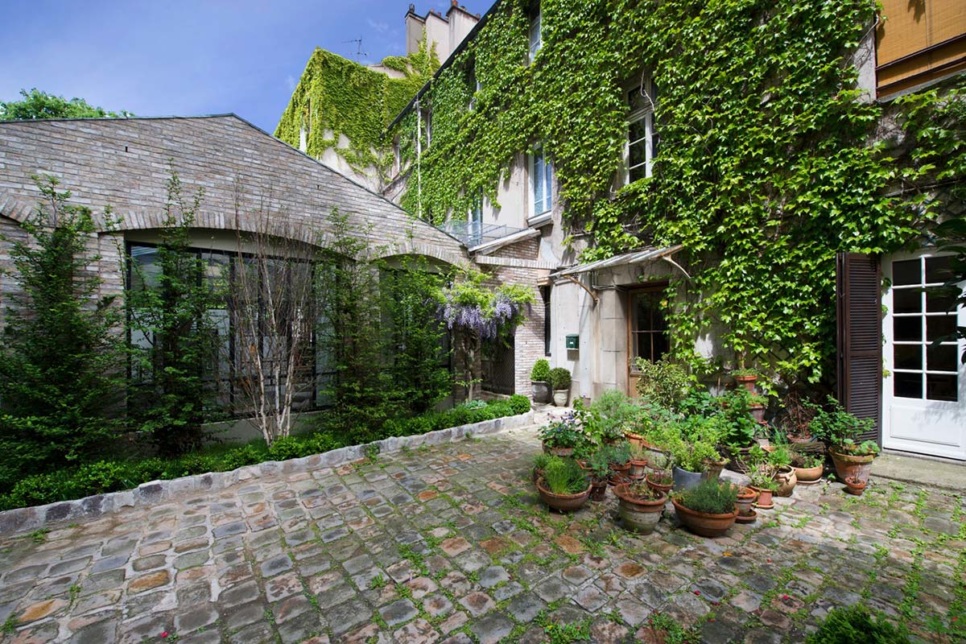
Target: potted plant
639,506
540,381
840,430
746,497
780,461
560,383
808,467
615,413
708,509
854,485
691,460
539,465
619,458
660,480
746,378
560,437
599,469
764,484
638,462
563,486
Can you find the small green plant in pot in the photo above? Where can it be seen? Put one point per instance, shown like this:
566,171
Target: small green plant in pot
560,382
639,506
562,436
540,381
619,459
599,468
708,509
563,486
841,430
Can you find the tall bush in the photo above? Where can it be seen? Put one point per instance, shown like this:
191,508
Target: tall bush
61,361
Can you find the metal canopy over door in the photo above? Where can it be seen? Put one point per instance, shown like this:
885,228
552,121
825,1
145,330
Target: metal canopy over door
924,401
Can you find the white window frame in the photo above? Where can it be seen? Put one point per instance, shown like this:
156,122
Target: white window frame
645,114
540,204
536,38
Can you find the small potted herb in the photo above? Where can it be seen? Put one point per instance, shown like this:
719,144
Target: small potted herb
563,486
599,469
660,480
638,462
808,467
780,461
764,484
709,509
619,458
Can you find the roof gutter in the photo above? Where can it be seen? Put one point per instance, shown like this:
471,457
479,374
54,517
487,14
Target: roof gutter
446,65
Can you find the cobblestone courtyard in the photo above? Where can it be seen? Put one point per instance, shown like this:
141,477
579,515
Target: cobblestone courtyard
449,544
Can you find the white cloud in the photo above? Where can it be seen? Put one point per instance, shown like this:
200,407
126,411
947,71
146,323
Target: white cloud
381,27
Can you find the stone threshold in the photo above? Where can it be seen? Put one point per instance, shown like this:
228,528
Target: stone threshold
38,517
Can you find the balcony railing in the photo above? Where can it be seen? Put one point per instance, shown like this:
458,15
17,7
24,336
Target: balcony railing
474,233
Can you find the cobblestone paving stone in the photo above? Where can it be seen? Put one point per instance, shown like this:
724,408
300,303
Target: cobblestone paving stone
450,544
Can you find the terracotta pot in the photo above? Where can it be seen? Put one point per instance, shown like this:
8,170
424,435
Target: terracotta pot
560,397
712,470
619,473
634,439
746,497
738,462
786,481
562,452
809,475
704,525
660,487
541,391
758,413
637,471
562,502
848,466
748,382
764,501
855,487
598,489
638,515
537,473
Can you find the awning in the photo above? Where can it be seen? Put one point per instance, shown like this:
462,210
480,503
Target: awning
635,257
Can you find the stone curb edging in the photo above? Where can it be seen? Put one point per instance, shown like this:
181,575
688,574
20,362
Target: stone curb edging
33,518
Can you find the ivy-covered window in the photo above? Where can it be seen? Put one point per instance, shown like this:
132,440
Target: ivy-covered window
541,182
642,136
536,40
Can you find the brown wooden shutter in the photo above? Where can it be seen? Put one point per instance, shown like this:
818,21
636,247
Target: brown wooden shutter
860,338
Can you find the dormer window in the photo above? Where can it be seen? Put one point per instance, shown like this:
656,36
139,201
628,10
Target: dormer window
642,138
536,40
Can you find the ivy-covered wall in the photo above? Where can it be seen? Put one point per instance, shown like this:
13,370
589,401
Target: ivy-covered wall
769,161
338,97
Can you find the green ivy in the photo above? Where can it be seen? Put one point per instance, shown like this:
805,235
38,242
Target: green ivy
337,97
765,169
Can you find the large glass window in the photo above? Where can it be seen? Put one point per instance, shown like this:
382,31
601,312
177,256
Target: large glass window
924,348
541,180
642,138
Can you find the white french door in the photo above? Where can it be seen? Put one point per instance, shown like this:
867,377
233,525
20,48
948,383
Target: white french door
924,390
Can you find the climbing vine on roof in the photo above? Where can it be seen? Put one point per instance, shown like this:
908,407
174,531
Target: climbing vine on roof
765,166
338,98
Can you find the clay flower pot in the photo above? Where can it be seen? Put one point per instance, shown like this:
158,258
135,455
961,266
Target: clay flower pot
619,473
849,466
638,515
855,486
598,490
704,525
660,487
765,501
809,475
562,502
746,498
562,452
748,382
786,481
638,471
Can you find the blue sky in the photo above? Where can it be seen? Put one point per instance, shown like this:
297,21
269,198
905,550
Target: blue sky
190,57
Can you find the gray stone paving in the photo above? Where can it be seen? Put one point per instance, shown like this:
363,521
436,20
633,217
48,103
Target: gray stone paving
449,543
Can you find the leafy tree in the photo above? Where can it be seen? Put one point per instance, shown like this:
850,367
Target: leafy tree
41,105
168,310
61,361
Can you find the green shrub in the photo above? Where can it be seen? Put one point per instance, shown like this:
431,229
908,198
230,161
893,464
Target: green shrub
663,383
615,412
857,624
540,371
519,404
559,378
711,496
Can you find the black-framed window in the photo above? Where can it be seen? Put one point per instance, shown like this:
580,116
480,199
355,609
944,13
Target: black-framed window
648,327
545,295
